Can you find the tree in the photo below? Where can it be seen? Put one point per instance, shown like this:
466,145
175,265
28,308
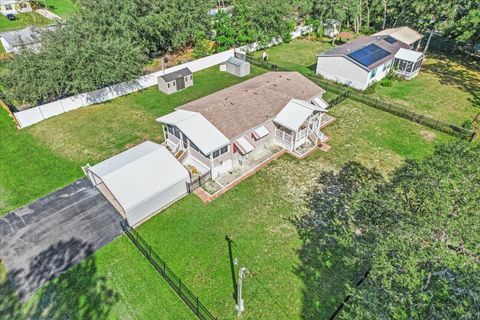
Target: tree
104,43
225,35
415,232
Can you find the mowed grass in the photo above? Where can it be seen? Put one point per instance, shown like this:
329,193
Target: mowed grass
49,155
23,20
190,236
299,55
63,8
447,87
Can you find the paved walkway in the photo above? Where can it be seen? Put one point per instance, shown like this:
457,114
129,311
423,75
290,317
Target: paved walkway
52,234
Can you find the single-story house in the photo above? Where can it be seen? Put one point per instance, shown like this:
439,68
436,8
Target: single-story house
365,60
14,6
141,181
29,37
175,81
217,132
237,67
403,34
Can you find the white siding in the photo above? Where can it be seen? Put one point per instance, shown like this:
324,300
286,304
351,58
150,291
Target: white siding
342,70
156,203
380,74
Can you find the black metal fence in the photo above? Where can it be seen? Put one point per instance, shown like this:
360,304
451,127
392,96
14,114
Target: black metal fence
170,277
199,181
347,92
448,45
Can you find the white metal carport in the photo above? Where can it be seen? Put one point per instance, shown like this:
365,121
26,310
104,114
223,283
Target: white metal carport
141,181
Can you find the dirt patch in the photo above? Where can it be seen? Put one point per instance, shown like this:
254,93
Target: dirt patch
173,60
428,135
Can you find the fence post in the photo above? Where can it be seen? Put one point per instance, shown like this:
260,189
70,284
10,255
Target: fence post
198,312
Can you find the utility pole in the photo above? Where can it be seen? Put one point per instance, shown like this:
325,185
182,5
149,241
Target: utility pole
240,307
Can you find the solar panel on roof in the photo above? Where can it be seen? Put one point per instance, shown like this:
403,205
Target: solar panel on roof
369,54
390,39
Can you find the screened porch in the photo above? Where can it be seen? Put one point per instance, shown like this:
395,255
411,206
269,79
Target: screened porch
407,63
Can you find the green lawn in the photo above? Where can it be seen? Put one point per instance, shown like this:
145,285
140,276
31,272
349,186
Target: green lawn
447,88
300,54
23,20
64,8
118,283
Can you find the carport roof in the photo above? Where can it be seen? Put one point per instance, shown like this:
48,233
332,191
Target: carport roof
139,173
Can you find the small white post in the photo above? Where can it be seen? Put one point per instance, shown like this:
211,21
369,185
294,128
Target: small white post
240,306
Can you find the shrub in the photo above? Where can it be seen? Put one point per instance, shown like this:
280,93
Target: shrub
468,125
386,82
203,48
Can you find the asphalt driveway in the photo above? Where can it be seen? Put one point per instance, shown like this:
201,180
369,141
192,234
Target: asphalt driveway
52,234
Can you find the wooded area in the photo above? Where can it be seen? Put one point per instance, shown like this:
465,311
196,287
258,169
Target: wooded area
415,233
106,42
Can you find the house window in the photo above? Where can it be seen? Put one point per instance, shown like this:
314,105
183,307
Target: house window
176,132
373,73
8,7
219,152
191,77
174,83
168,85
386,66
169,128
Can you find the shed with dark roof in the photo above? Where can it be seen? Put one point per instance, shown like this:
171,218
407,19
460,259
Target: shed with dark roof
175,81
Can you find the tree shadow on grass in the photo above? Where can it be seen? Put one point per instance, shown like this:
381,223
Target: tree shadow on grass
326,275
79,293
465,78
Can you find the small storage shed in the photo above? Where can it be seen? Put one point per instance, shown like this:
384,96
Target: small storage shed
238,67
175,81
140,181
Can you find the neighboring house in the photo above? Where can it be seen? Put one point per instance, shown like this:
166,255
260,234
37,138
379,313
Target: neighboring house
217,132
14,6
140,181
365,60
331,27
13,41
237,67
214,11
404,34
175,81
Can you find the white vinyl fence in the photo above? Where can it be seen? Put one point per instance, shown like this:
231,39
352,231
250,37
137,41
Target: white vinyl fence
34,115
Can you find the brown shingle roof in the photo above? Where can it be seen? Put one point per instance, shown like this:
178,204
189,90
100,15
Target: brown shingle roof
244,106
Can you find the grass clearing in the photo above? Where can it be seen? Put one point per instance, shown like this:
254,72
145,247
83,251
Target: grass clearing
23,20
447,87
300,54
63,8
